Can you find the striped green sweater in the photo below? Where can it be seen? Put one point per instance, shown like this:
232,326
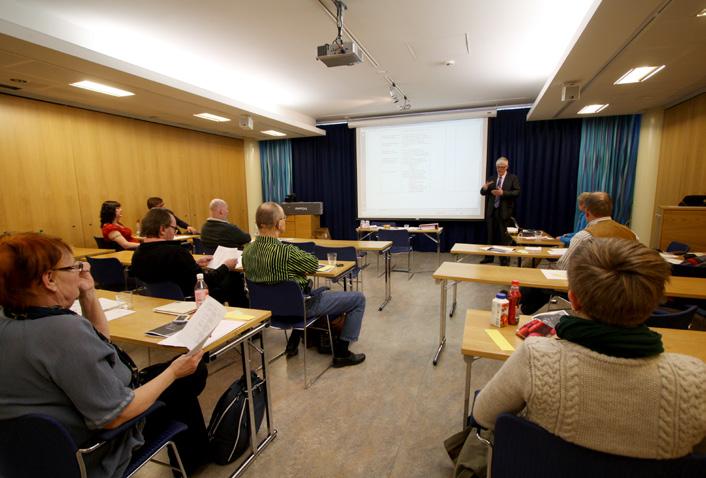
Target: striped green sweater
269,261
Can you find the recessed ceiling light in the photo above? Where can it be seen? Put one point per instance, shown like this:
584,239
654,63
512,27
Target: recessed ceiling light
590,109
272,132
702,13
210,117
636,75
101,88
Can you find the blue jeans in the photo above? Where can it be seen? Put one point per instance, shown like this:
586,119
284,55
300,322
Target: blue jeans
337,303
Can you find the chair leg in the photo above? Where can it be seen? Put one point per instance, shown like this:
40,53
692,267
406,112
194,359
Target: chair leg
284,350
308,384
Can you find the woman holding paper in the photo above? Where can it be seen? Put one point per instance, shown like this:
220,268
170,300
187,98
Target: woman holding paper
63,364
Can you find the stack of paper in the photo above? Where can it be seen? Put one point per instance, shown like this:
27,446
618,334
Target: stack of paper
557,252
554,274
110,307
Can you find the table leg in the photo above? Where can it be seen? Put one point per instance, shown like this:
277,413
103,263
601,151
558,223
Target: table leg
388,279
467,391
453,304
442,322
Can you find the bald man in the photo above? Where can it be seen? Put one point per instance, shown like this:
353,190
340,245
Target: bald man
268,261
217,231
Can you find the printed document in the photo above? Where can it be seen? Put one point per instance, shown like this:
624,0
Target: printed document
222,254
199,327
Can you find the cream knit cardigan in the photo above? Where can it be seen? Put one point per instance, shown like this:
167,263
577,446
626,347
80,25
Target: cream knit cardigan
647,408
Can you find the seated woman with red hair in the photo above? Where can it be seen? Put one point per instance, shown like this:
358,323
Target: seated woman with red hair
63,364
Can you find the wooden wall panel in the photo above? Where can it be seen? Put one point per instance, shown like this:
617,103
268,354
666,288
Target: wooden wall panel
76,159
682,168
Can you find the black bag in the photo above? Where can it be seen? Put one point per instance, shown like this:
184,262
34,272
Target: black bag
229,428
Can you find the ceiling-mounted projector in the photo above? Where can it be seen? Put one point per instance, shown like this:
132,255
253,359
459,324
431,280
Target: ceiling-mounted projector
345,53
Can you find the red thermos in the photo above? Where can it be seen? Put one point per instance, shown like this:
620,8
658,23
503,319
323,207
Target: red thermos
514,297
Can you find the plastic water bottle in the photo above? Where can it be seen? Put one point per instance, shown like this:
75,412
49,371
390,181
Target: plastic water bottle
499,310
513,315
201,290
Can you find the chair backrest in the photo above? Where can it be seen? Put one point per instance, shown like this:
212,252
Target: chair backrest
164,290
525,449
672,319
342,253
199,248
103,243
37,445
108,273
284,299
677,247
399,237
309,247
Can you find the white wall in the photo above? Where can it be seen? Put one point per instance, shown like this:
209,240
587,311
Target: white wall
646,175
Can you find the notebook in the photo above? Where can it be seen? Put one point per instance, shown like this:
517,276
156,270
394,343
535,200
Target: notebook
176,308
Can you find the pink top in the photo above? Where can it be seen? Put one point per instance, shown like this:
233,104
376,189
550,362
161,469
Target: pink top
125,231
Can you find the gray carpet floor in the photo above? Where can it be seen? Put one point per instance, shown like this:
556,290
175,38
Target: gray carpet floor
387,417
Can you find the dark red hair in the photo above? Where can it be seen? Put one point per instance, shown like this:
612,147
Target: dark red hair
24,258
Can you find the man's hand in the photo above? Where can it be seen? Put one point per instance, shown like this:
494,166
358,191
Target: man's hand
485,186
496,192
203,261
230,263
192,230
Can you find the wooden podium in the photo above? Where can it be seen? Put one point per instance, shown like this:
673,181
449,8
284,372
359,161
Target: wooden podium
302,225
683,224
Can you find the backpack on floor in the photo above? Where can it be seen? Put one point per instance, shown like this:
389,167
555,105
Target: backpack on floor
229,428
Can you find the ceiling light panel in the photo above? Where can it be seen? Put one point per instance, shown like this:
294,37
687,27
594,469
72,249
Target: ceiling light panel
273,132
591,109
636,75
101,88
211,117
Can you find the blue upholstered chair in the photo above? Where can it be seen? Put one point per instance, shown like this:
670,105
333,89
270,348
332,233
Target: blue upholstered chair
672,319
309,247
37,445
342,254
288,306
109,273
401,244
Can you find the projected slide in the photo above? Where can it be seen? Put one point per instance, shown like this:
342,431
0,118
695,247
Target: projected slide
422,171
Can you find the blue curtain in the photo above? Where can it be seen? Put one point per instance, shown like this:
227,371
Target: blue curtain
545,157
276,168
324,169
608,159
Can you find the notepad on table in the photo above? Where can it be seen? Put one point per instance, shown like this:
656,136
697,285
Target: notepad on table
554,274
557,252
325,268
106,304
176,308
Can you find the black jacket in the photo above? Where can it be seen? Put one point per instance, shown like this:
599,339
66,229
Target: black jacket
511,190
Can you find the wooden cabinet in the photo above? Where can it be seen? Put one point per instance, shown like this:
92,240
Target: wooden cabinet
302,225
682,224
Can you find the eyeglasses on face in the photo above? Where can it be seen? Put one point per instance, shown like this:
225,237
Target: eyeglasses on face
176,229
79,266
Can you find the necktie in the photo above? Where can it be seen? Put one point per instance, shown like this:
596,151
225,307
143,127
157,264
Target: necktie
499,185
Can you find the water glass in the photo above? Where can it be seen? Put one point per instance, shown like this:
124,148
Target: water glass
125,299
331,258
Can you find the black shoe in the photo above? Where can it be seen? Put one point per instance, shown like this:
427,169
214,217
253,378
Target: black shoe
487,260
351,359
293,352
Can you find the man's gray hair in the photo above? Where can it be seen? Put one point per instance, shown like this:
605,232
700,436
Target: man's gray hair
215,203
502,159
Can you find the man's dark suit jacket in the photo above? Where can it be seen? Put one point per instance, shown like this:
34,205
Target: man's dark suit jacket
511,190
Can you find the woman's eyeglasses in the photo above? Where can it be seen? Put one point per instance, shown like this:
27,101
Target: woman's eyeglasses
75,267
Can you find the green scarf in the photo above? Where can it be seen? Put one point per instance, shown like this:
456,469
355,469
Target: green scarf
633,342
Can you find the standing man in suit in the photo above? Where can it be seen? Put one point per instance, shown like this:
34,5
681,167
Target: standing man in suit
500,192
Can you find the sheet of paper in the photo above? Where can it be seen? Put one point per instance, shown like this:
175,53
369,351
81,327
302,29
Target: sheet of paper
499,340
672,258
554,274
222,254
533,249
223,328
200,326
325,268
113,314
557,252
106,304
